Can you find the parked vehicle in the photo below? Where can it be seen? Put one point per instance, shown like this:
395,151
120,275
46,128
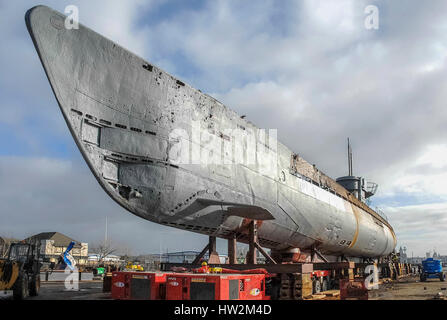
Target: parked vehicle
432,268
20,272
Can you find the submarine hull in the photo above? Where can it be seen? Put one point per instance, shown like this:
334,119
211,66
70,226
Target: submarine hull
166,152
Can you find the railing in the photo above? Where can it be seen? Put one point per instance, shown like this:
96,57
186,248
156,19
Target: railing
371,188
381,213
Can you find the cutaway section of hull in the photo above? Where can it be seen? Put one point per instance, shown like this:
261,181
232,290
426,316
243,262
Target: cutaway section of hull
131,121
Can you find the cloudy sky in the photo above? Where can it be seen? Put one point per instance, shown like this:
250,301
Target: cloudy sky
309,68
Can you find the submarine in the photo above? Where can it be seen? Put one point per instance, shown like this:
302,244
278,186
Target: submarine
176,156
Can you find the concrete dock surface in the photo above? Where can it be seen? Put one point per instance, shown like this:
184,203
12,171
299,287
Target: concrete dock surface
88,290
408,288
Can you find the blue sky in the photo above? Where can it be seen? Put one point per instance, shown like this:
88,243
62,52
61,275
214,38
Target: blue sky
308,68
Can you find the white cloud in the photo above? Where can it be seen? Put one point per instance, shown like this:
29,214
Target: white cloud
425,175
117,20
420,228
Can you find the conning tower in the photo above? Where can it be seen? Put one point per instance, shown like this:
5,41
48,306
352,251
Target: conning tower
358,186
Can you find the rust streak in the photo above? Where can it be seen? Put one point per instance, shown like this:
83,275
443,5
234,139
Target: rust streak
356,234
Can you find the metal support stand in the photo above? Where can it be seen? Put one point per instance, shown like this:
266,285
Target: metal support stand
213,255
252,239
212,252
315,252
264,253
232,250
201,254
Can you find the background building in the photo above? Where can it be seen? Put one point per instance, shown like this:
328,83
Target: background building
434,255
53,244
96,258
416,260
403,258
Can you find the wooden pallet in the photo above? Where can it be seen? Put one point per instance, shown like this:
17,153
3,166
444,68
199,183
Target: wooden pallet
324,295
330,293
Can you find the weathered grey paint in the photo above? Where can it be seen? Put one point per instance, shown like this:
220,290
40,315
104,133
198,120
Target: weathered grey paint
120,110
